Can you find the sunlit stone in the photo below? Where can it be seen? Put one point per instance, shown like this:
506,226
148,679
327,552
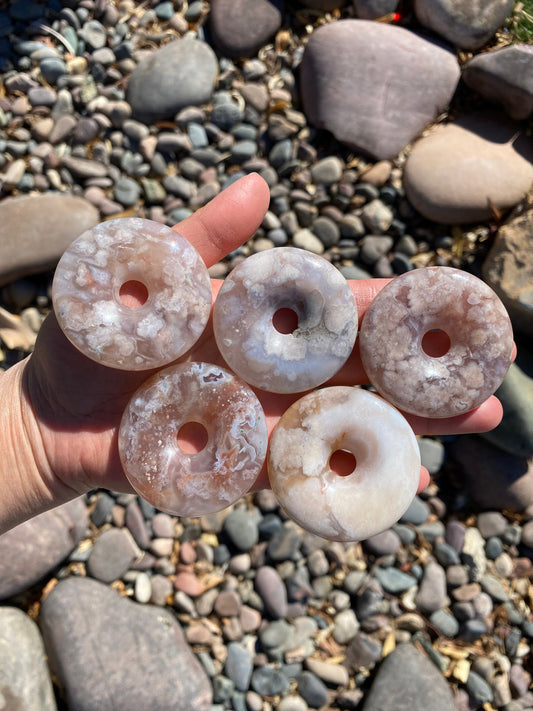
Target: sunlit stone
384,480
445,299
193,484
308,285
87,294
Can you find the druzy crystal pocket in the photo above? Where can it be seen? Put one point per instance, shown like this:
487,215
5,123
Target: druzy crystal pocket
87,294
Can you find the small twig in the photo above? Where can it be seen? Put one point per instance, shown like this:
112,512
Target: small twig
70,49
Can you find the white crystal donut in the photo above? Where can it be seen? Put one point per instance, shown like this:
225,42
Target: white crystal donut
207,481
307,284
445,299
367,501
88,306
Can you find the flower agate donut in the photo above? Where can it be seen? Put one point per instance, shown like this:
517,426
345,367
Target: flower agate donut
380,488
444,299
285,278
87,294
193,484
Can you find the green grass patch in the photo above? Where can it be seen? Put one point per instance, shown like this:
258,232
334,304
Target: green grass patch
520,25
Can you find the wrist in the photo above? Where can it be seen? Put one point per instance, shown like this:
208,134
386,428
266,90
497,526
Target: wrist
24,471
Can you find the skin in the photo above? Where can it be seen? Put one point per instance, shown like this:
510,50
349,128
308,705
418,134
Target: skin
61,411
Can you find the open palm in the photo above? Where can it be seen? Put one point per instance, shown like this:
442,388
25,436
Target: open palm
72,406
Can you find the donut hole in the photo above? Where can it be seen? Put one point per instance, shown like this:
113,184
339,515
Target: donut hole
342,462
436,343
133,294
192,437
285,320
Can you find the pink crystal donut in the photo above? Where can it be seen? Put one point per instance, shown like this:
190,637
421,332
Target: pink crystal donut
88,305
285,278
445,299
385,479
200,483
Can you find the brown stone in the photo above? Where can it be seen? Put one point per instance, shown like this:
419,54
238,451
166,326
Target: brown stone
508,269
35,231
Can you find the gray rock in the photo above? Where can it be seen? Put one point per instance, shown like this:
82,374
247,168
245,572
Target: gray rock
493,587
84,167
466,24
384,543
446,554
24,679
112,554
363,651
312,690
493,478
432,591
445,623
504,76
478,688
271,590
127,191
305,239
442,178
491,523
432,454
239,666
180,74
327,231
240,28
394,690
417,513
340,96
374,247
62,129
117,657
241,528
473,553
394,581
52,68
284,544
508,269
346,627
269,682
327,171
373,9
32,549
377,216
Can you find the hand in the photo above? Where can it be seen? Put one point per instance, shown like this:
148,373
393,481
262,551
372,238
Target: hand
70,407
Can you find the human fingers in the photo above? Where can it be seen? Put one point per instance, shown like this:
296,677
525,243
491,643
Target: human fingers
228,220
482,419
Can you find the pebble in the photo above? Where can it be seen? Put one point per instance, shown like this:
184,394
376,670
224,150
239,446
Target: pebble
312,689
239,666
382,544
112,554
268,681
394,581
417,513
478,688
346,626
444,623
432,451
239,30
190,63
432,591
241,529
271,589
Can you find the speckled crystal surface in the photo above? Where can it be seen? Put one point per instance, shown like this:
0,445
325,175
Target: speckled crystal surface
436,298
285,278
193,484
88,305
375,494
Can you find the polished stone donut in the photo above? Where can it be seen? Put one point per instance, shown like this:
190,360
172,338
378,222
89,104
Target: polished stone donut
87,294
193,484
285,278
443,299
385,479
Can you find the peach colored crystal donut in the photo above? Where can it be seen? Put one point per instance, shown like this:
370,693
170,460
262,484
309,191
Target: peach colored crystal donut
88,306
367,501
193,484
285,278
436,298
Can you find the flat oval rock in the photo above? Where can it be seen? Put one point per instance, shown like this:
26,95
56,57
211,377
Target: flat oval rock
454,174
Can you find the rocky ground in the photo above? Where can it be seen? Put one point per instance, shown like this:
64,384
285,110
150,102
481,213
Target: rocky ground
385,150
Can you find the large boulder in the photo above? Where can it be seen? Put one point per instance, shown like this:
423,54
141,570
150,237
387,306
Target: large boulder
112,654
375,86
36,230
